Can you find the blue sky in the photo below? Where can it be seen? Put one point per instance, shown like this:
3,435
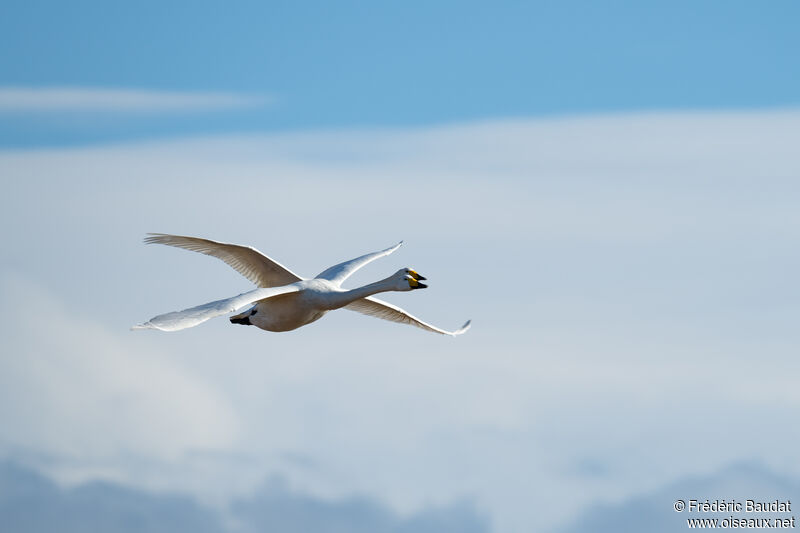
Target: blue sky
350,64
609,190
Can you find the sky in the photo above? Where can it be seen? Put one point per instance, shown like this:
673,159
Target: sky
609,193
362,64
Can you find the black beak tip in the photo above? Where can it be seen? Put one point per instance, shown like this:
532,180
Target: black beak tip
421,285
421,277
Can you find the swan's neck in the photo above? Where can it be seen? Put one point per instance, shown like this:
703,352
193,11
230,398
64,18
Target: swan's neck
345,297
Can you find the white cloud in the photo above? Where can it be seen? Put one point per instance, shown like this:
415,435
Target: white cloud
96,99
631,280
71,389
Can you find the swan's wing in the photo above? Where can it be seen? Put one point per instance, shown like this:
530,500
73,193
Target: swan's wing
197,315
380,309
342,271
247,261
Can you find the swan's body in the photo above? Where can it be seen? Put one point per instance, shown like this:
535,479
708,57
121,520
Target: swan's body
285,301
286,312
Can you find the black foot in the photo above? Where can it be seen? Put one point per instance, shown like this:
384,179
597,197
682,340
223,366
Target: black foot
245,321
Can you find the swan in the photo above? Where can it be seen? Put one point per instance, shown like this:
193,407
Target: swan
284,301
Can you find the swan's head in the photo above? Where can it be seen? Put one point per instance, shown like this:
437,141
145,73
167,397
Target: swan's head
407,279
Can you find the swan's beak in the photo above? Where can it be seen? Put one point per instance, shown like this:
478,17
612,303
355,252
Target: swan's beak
414,284
415,275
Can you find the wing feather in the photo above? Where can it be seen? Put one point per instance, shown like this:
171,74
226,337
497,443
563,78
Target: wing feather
193,316
247,261
380,309
338,273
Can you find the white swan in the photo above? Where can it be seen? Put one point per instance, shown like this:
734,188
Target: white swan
285,301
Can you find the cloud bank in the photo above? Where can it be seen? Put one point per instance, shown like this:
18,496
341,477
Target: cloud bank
654,511
30,503
631,280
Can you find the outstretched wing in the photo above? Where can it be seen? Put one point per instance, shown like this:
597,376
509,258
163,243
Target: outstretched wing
380,309
338,273
247,261
197,315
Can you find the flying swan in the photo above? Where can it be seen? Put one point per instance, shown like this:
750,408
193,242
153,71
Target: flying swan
284,301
